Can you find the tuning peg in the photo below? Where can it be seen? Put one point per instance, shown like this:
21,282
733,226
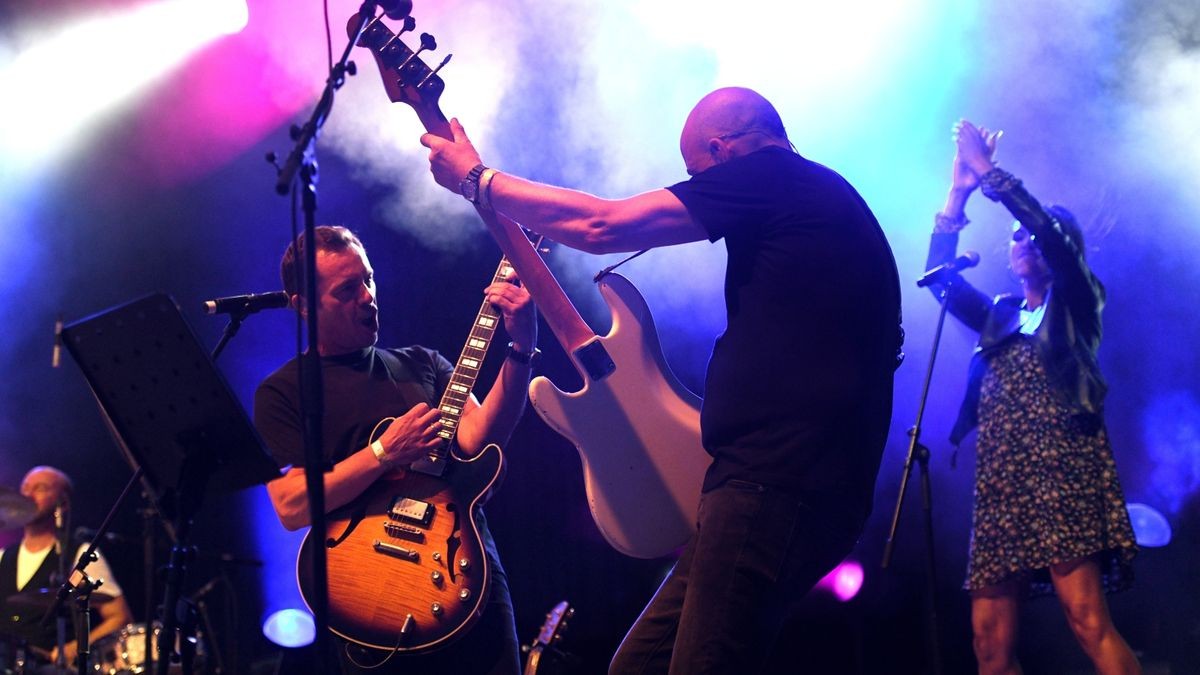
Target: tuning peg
409,25
351,68
427,44
433,72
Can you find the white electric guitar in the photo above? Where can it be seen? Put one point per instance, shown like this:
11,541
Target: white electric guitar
637,429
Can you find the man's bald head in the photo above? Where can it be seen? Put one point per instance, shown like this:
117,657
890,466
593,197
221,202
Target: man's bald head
728,123
48,488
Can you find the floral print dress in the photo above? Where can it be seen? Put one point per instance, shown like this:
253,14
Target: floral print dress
1046,486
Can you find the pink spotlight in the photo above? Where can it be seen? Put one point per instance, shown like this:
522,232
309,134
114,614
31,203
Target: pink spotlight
844,581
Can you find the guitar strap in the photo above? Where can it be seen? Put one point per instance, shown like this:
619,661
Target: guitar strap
401,376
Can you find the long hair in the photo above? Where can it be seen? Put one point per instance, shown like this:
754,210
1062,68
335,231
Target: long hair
1070,226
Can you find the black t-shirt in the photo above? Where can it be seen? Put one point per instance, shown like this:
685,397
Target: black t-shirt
798,391
361,388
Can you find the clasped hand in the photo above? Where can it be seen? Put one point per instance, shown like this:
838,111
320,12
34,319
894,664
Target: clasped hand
976,151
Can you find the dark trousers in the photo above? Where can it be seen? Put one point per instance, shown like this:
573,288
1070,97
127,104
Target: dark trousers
757,551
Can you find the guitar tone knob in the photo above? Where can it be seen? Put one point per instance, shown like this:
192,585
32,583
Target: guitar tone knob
436,608
437,556
464,564
436,576
464,594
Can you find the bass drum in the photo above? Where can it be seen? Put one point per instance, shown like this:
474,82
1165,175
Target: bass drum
124,652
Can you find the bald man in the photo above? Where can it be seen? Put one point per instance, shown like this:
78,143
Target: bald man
33,564
799,387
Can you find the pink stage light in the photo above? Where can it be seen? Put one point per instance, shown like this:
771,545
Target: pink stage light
844,582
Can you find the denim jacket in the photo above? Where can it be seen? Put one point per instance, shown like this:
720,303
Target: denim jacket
1068,336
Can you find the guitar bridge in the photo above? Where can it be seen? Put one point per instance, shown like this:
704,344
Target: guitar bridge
399,531
411,510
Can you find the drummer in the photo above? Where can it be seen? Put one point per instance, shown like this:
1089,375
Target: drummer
29,572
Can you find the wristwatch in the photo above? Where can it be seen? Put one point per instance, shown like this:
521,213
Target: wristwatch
469,187
524,358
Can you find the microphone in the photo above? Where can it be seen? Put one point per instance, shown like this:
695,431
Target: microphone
60,527
965,261
247,304
56,352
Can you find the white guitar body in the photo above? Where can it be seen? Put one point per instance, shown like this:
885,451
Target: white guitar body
637,431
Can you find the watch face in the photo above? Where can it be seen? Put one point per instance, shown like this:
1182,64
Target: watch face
469,187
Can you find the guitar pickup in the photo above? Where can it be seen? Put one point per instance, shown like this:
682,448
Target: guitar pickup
411,510
404,532
396,551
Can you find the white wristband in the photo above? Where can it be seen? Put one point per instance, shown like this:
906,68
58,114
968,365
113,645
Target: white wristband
377,450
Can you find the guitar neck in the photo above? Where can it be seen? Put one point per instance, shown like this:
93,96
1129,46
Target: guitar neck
466,370
399,66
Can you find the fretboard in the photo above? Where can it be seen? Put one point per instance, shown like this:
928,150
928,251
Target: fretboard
466,371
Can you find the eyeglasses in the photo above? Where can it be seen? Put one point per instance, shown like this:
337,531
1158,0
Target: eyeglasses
743,132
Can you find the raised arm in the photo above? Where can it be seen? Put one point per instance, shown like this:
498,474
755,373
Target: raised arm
573,218
966,303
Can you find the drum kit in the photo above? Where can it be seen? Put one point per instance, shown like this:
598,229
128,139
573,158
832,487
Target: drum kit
119,653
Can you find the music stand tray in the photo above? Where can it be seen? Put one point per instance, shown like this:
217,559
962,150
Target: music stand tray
171,410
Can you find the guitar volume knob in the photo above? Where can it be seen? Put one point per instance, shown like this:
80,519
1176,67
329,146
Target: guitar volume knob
436,577
464,564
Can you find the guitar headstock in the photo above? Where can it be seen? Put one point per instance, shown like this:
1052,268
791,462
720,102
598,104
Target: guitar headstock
555,624
406,78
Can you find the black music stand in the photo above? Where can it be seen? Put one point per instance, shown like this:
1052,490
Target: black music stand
174,419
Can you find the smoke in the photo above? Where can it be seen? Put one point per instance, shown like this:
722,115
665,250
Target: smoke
1163,70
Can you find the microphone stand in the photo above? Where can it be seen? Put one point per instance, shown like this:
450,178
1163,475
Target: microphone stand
60,541
235,322
83,589
149,545
920,454
302,159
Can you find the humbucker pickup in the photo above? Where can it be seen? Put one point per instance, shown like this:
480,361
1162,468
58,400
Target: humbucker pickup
411,510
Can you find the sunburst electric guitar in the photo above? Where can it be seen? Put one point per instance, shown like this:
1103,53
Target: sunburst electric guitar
637,429
407,571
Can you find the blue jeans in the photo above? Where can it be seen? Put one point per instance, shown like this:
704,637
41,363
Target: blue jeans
757,551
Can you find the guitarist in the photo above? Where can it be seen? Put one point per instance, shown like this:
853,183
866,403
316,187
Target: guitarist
364,384
799,387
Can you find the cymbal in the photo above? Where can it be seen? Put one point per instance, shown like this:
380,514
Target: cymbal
42,598
15,509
